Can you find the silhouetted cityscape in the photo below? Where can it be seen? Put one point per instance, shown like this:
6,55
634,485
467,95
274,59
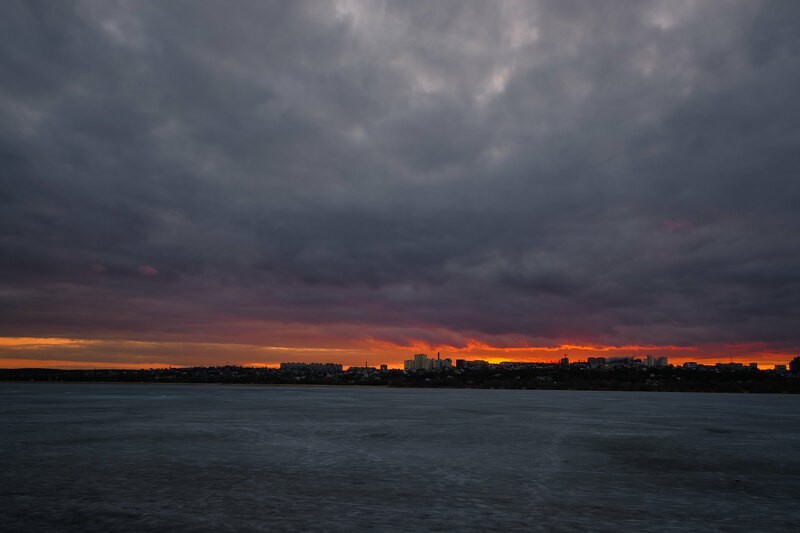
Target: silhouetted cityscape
597,373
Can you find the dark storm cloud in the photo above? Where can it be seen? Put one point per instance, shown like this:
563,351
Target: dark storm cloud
606,172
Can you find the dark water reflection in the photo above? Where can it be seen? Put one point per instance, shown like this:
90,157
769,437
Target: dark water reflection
97,457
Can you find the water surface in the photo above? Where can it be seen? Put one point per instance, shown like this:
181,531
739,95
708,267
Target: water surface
149,457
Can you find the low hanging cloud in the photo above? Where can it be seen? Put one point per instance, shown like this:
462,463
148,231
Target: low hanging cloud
547,172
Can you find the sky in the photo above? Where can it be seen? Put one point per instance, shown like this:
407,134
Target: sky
213,182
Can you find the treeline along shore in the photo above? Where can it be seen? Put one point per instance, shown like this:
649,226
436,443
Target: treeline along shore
717,378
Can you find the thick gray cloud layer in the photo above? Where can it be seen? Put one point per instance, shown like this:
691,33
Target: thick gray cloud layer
611,172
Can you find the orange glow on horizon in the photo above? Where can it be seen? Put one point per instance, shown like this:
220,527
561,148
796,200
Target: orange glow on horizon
261,365
54,352
474,349
23,342
80,365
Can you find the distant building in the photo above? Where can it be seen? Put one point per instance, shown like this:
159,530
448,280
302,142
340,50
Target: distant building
596,361
440,364
565,361
384,368
753,366
690,364
649,360
365,370
421,362
780,368
662,362
794,365
620,361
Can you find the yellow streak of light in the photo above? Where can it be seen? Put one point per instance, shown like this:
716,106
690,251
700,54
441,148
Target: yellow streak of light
55,363
22,342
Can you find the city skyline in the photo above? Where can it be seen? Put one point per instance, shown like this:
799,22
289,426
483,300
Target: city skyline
270,357
312,181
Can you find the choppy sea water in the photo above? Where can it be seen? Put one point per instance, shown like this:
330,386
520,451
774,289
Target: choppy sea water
107,457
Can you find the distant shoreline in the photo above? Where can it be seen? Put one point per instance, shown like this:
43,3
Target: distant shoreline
722,379
186,383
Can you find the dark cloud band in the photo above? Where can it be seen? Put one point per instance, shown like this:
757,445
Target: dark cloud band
612,174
